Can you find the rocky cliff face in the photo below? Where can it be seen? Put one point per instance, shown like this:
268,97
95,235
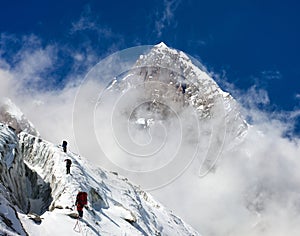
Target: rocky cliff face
12,167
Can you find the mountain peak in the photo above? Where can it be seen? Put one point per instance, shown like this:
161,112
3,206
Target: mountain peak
172,79
161,45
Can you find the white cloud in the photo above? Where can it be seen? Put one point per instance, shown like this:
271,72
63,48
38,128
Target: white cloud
88,25
30,62
196,43
271,74
84,23
166,17
256,96
254,189
88,22
29,81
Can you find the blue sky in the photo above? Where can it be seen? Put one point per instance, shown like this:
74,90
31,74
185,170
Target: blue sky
247,44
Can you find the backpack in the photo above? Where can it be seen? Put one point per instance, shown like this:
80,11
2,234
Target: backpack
64,144
69,162
82,198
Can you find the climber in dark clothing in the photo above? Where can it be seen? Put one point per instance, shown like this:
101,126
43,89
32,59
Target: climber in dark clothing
183,87
68,165
80,210
64,145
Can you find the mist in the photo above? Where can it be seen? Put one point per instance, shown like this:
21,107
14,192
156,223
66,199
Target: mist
253,187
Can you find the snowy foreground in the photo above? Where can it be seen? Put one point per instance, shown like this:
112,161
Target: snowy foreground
116,207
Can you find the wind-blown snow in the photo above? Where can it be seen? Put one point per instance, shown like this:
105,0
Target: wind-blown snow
12,115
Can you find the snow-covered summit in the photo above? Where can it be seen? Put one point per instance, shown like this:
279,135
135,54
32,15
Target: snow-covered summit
171,77
161,45
201,90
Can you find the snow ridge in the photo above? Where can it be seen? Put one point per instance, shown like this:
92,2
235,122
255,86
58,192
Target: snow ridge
116,207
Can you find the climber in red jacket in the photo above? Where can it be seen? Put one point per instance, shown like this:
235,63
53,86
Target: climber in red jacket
81,201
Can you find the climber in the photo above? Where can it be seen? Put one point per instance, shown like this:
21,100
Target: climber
81,201
181,87
64,145
68,165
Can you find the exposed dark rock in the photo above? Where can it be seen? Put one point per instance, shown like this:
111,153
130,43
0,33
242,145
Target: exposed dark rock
96,200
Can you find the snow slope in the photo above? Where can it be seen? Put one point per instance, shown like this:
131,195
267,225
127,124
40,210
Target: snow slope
116,207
